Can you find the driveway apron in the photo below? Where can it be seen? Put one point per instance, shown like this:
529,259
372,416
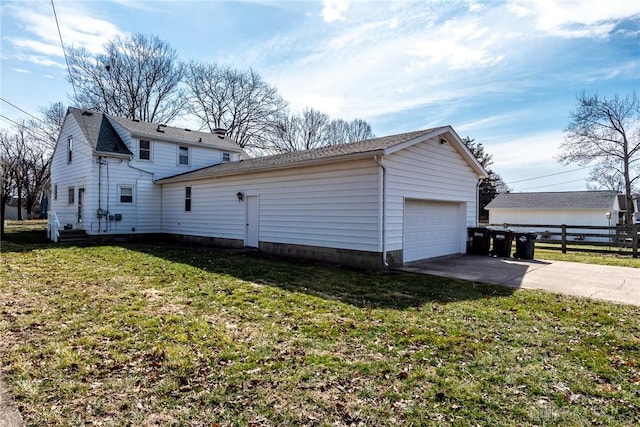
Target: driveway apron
617,284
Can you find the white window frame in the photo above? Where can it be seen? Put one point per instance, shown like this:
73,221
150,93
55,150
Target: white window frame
149,150
226,157
133,198
180,156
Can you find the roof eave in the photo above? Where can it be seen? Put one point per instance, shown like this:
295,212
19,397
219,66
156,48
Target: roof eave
340,158
112,154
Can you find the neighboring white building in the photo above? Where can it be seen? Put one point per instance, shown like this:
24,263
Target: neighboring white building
384,201
571,208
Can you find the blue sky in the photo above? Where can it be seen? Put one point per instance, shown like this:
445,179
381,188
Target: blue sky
503,72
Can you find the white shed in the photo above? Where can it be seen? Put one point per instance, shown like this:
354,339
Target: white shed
375,203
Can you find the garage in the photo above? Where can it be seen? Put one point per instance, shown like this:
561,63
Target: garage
431,229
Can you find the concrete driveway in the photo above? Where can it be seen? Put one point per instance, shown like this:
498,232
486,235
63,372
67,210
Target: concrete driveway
617,284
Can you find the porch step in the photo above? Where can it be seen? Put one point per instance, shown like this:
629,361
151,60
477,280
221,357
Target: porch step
73,236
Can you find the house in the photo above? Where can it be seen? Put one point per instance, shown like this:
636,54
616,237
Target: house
573,208
104,167
384,201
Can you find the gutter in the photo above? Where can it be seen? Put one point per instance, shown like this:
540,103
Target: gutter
383,246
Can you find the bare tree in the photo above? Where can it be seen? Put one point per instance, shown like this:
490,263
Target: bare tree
50,125
299,132
341,132
136,77
606,175
314,129
606,131
238,101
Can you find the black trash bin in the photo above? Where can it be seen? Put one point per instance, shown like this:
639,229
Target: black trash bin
525,245
501,243
478,241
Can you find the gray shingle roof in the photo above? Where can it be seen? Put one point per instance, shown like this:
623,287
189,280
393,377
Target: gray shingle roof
103,137
99,132
370,146
155,131
555,200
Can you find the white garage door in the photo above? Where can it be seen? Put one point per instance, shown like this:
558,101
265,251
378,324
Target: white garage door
431,229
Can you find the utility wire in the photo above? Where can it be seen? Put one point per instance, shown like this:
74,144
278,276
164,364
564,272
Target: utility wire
27,128
553,185
64,51
546,176
20,109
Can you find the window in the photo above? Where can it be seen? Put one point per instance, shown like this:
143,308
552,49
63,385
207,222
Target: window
126,194
69,149
144,152
55,191
187,199
226,157
183,155
71,195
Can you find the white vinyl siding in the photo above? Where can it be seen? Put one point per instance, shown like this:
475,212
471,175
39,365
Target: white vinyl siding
76,174
328,206
427,171
594,217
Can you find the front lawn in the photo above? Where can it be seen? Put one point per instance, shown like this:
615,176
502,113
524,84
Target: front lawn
142,335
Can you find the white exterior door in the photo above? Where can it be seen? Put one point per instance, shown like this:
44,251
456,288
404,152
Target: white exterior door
251,239
432,229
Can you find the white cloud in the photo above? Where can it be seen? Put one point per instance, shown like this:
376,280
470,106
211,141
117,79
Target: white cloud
39,41
575,18
21,71
333,10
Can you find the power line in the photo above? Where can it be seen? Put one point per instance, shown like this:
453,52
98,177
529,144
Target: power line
546,176
64,51
20,109
558,183
27,128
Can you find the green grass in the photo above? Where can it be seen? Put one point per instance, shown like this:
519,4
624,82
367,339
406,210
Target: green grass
613,258
142,335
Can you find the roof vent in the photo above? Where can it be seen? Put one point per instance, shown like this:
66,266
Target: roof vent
135,120
87,113
160,130
200,140
188,130
220,132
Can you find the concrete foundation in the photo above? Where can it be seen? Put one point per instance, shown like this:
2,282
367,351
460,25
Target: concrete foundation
347,257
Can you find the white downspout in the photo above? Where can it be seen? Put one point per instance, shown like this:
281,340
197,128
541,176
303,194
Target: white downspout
383,246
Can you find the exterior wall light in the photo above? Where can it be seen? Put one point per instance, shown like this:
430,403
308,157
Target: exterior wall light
240,196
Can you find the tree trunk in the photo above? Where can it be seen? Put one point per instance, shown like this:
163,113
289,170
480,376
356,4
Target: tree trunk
20,203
